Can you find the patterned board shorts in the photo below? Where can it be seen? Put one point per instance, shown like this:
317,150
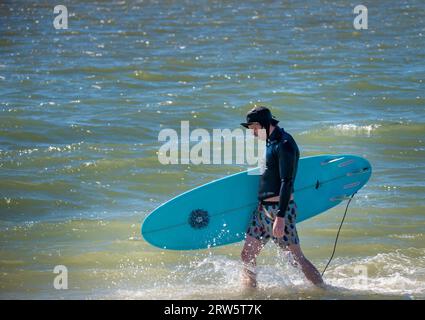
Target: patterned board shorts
261,225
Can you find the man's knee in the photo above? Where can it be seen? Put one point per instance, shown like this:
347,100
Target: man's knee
247,256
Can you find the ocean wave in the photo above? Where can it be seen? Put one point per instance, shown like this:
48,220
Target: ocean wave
346,129
400,273
349,128
393,275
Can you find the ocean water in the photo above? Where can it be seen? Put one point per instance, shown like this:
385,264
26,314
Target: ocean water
81,110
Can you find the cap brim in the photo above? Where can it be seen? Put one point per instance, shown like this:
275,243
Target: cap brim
272,121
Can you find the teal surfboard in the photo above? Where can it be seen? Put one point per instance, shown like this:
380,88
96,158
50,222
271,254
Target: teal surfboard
218,212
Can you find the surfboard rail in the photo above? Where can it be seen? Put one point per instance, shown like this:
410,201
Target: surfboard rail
218,212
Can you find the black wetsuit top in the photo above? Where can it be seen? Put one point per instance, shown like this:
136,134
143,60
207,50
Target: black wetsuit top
282,155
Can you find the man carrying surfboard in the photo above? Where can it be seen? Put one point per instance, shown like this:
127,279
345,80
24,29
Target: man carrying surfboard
276,213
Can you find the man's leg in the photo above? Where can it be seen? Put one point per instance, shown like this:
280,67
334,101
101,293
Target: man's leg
309,270
249,255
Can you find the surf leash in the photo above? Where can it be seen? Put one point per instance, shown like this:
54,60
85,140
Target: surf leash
337,235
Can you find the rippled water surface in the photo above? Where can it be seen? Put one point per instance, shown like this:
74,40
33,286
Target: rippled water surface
81,109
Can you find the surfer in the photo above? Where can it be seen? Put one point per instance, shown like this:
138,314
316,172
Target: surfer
276,213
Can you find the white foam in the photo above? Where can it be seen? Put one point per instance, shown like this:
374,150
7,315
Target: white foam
351,128
400,273
394,274
348,129
219,277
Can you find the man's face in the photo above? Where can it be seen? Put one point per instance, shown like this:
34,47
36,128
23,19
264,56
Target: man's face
258,130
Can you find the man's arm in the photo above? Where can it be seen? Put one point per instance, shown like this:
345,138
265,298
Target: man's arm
287,159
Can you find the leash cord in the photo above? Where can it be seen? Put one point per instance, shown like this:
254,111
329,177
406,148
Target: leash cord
337,235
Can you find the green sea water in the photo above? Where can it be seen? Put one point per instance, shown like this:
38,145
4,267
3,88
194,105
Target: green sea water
81,110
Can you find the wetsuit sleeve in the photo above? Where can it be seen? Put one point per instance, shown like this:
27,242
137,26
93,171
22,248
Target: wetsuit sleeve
287,158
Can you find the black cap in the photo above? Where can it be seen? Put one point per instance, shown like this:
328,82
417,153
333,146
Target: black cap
262,115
